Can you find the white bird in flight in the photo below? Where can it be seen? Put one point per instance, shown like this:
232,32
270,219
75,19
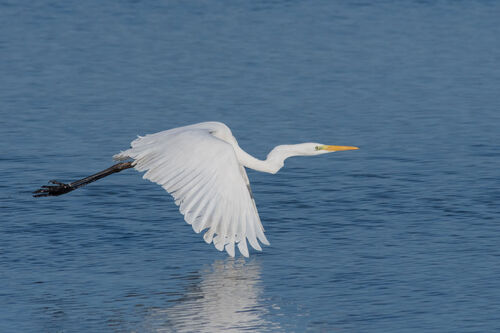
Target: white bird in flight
203,168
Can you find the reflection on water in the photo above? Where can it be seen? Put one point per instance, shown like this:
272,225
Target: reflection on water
225,299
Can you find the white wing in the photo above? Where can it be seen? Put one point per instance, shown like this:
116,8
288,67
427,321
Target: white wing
208,184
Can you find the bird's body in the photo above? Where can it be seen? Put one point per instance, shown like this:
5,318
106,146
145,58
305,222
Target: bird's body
203,168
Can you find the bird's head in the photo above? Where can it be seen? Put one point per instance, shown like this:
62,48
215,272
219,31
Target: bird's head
311,148
278,155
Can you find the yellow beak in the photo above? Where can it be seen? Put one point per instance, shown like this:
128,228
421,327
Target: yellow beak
338,148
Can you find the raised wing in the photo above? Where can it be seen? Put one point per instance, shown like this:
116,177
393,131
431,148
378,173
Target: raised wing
207,182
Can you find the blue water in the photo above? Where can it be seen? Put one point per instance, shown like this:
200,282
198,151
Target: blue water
400,236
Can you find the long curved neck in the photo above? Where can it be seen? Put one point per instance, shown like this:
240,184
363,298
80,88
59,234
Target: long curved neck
273,163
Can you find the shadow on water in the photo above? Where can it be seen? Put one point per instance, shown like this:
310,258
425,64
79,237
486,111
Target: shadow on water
225,297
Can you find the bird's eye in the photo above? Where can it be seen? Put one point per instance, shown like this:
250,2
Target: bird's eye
317,148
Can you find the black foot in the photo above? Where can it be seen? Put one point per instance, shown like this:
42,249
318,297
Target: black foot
53,190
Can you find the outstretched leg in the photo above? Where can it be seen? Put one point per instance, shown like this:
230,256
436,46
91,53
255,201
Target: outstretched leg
61,188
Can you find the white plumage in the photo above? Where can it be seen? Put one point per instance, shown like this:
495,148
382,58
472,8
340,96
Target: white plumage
202,167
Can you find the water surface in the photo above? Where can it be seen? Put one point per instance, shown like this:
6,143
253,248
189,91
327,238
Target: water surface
399,236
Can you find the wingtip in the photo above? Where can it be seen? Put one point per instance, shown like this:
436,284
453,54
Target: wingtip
230,249
208,236
242,246
264,241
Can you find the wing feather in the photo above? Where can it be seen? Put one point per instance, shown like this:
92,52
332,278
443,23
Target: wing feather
204,209
207,182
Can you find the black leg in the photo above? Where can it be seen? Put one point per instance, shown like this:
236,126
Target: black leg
62,188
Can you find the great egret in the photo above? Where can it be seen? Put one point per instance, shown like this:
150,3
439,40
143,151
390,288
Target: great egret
203,168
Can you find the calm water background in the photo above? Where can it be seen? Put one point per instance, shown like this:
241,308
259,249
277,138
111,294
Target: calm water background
400,236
